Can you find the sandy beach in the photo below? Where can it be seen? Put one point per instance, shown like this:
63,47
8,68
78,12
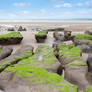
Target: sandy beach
33,26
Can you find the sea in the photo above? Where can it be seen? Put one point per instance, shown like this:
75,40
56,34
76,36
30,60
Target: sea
47,20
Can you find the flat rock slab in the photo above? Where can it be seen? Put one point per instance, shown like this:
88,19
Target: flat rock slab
11,38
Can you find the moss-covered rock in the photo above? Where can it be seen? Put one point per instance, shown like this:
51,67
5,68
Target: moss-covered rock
22,53
35,78
11,38
68,53
89,89
44,57
41,36
83,36
84,42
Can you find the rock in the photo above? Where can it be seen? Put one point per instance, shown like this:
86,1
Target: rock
41,36
67,35
68,53
36,74
45,58
88,32
76,73
85,48
56,29
89,63
58,36
22,53
11,29
83,41
5,52
21,29
28,78
11,38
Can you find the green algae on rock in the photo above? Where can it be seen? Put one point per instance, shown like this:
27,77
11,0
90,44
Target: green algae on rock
11,34
22,53
78,64
41,33
83,36
89,89
69,51
44,57
41,36
11,38
37,75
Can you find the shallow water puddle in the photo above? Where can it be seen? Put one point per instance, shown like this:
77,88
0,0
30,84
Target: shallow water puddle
63,73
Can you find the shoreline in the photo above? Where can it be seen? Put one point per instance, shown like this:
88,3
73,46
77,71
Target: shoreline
44,22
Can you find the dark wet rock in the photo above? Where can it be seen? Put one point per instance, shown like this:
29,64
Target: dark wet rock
85,48
21,28
22,53
41,36
88,32
76,73
67,35
5,52
56,29
89,63
58,36
11,38
11,29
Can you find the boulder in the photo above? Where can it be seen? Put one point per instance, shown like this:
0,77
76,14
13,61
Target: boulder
88,32
21,28
11,29
84,42
22,53
58,36
68,53
85,48
5,52
67,35
11,38
41,36
76,73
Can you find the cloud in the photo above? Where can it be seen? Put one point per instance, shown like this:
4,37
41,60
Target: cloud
24,12
65,5
22,4
2,10
79,4
43,11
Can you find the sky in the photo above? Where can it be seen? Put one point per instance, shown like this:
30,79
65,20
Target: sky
45,9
